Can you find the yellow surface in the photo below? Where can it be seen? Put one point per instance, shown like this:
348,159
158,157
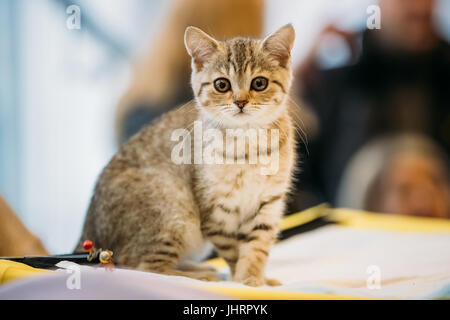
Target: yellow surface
388,222
10,270
308,215
263,294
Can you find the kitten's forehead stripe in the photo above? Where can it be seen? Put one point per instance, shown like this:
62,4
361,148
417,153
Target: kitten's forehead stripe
250,58
241,54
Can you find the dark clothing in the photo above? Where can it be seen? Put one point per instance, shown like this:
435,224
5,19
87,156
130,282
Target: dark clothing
383,92
143,113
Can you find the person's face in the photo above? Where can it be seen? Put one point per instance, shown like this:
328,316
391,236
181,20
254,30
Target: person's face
417,186
408,22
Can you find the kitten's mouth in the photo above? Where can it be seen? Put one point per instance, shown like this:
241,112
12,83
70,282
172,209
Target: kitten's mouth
241,113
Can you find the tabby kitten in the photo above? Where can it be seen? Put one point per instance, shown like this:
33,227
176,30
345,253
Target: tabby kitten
156,214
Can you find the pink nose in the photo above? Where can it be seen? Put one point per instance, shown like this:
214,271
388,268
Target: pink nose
241,103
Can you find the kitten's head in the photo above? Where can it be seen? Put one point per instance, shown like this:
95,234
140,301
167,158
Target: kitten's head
241,81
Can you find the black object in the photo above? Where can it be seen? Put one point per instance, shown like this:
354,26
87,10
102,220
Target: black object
49,262
309,226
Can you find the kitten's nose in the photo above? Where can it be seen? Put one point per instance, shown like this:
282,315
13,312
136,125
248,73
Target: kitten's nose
241,103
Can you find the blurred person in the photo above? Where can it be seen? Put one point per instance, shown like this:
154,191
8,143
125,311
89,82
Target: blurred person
161,78
396,81
405,174
15,238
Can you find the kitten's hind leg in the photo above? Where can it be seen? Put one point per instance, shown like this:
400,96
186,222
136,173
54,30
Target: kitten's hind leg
157,223
165,255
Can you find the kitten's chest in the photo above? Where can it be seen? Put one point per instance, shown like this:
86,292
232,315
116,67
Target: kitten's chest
232,192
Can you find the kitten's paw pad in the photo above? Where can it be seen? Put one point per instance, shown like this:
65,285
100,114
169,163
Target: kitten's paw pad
272,282
253,281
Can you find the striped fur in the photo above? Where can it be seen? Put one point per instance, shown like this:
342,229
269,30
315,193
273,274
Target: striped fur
155,215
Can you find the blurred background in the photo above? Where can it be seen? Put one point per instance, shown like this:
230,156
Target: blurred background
375,103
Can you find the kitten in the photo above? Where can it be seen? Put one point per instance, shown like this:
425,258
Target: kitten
156,214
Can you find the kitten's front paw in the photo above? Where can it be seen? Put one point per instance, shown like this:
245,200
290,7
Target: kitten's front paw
272,282
207,276
253,281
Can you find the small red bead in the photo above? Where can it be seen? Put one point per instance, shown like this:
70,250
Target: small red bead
88,245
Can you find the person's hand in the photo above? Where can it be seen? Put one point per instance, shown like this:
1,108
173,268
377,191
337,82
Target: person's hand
348,37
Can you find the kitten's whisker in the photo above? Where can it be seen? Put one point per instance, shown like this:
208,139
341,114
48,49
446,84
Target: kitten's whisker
263,104
298,121
186,105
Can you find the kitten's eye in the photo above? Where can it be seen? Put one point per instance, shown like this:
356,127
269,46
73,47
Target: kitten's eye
222,85
259,83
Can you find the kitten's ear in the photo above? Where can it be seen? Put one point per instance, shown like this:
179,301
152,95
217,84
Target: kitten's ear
199,45
279,44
